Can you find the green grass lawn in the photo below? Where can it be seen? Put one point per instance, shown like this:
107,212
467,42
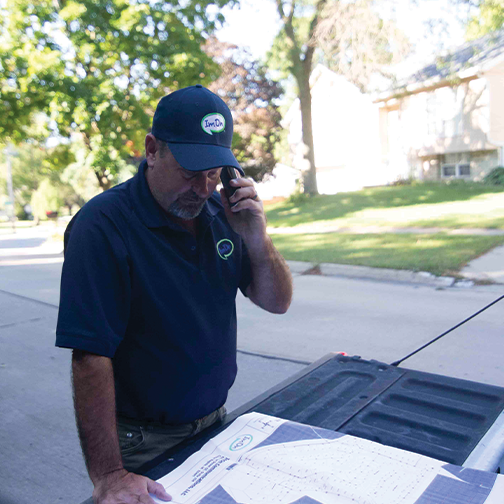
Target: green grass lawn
467,205
437,253
458,205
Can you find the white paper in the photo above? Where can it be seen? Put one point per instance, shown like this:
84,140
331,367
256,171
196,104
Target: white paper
262,460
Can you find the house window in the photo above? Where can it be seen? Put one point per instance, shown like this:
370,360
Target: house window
464,170
449,170
460,170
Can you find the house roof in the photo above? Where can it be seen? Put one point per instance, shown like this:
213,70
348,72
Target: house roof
465,61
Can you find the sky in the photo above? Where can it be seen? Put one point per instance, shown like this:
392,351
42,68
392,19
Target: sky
255,24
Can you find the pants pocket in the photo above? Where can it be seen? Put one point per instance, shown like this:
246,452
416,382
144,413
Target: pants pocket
131,438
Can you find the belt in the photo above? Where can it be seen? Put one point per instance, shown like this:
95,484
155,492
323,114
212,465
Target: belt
154,425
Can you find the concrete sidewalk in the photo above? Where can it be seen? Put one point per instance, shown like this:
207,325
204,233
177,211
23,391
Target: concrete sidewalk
489,266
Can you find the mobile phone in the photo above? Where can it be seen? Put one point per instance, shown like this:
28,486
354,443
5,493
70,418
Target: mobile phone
228,173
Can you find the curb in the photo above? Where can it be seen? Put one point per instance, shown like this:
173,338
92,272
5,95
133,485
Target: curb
377,274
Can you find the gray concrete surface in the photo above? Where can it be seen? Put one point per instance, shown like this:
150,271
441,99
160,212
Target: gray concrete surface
489,267
380,318
383,321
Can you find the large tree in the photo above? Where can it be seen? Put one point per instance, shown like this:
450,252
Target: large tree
252,96
98,67
351,38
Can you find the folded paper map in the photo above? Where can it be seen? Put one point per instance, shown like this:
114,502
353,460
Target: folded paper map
261,459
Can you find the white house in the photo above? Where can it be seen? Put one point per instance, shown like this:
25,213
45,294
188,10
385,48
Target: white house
446,121
346,133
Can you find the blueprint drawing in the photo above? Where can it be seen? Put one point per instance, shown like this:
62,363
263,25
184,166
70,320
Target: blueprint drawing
261,459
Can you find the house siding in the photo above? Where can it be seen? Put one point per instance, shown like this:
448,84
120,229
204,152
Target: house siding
495,78
444,121
483,163
412,132
346,129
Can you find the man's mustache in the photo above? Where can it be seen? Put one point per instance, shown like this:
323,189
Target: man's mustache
191,197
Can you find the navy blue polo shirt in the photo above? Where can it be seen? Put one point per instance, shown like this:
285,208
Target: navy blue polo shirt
140,289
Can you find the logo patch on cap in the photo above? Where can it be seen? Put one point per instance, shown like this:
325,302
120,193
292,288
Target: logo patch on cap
213,123
225,248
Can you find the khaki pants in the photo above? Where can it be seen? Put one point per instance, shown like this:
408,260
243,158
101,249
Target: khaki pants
142,443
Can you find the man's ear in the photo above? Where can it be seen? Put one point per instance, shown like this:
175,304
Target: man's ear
151,148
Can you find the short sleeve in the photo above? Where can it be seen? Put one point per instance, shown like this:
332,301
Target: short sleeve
95,291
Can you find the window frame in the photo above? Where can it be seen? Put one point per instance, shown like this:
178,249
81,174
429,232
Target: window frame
457,167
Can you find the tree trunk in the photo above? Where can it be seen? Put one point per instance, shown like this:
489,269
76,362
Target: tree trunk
309,175
103,181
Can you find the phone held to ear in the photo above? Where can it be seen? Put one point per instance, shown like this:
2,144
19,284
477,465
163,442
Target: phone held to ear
228,173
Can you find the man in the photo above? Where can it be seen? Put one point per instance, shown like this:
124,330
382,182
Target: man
151,271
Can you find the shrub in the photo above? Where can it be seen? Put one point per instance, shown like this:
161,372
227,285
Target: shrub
495,177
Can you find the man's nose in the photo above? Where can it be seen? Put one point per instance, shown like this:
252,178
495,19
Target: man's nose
201,184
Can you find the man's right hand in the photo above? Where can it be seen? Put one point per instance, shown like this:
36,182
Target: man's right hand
123,487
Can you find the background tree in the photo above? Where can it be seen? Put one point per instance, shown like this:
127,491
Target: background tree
351,38
32,163
98,67
252,97
487,17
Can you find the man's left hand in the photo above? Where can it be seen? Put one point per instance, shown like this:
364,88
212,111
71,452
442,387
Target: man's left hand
246,215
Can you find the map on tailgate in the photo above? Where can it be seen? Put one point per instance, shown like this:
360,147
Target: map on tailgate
261,459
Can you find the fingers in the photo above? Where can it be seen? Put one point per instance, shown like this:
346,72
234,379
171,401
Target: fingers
158,490
225,202
245,190
145,499
247,204
129,488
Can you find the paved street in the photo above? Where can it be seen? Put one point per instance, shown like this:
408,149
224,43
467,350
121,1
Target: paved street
40,459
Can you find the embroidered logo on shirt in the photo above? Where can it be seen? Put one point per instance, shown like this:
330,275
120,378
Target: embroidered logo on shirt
225,248
213,123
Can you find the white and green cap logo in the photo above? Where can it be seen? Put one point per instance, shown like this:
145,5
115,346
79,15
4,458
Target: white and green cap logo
213,123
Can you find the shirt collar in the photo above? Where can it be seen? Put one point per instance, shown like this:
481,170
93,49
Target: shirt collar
150,212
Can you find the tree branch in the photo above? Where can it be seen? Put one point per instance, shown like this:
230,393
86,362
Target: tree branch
313,24
311,43
295,51
291,13
281,11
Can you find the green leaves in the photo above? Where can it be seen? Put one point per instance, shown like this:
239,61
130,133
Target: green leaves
98,67
72,11
252,96
489,18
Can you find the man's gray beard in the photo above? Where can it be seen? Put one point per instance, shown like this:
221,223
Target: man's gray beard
186,210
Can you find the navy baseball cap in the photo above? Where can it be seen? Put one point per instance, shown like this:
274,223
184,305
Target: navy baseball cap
198,128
